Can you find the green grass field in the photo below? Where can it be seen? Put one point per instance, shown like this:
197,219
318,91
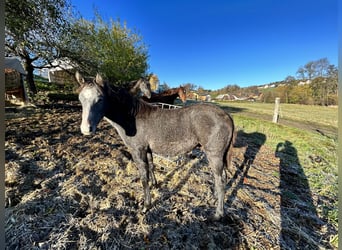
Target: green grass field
324,116
317,153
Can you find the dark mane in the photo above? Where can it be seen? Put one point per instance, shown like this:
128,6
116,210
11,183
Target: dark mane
131,104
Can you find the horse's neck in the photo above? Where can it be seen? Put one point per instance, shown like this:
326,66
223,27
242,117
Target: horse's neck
123,110
120,111
172,96
123,105
167,98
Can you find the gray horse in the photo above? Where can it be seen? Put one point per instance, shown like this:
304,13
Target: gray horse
140,88
146,129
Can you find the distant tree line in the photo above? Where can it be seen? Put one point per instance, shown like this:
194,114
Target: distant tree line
316,84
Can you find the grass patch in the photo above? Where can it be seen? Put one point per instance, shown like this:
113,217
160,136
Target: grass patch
326,116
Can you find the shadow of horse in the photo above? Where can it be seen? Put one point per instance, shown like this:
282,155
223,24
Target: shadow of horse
252,142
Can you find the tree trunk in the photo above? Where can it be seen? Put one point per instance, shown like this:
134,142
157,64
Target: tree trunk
30,78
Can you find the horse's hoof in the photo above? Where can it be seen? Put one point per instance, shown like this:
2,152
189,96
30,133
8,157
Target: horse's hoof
145,209
216,217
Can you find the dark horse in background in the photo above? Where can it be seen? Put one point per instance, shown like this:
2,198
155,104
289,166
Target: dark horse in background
146,129
168,96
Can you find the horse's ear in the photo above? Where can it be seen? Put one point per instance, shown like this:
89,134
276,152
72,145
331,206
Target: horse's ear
79,78
99,79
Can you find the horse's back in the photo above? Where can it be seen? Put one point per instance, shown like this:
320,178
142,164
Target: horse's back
205,111
180,130
202,114
211,120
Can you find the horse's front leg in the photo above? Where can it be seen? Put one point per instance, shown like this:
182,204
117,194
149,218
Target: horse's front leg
140,159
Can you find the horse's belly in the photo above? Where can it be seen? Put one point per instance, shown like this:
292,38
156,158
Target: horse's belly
172,148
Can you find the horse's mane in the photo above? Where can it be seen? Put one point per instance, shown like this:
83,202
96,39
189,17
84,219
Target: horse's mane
131,104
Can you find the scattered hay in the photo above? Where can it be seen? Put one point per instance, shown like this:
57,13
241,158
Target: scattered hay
68,191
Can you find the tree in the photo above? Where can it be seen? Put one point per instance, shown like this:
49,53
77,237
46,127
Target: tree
163,87
33,29
290,79
321,66
301,73
110,48
202,91
323,90
310,69
332,72
324,85
301,94
190,86
154,81
283,92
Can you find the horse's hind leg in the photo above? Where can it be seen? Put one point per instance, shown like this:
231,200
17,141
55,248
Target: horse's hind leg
216,164
140,159
151,168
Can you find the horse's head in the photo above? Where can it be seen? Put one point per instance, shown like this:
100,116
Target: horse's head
140,87
145,87
92,97
182,93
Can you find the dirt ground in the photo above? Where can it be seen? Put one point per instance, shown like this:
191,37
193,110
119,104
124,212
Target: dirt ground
68,191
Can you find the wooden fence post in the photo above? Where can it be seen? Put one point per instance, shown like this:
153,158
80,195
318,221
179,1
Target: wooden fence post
276,110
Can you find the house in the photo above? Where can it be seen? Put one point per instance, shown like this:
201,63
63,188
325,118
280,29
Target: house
192,95
225,97
204,98
14,80
61,72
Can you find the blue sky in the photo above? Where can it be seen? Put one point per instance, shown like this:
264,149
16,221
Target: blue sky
215,43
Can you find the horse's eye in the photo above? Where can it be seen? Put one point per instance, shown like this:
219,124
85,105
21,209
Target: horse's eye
99,100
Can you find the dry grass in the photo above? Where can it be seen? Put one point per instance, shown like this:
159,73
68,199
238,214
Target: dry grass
67,191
